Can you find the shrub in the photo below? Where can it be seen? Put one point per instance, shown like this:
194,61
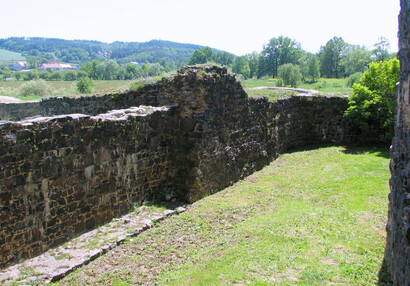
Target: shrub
354,78
290,74
372,104
85,85
35,88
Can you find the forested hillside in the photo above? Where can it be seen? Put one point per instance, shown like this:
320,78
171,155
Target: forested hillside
168,54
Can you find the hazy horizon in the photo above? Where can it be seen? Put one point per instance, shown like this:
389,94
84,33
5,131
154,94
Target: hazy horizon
238,27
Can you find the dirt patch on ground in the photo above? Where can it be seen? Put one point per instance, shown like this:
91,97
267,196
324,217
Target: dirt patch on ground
9,99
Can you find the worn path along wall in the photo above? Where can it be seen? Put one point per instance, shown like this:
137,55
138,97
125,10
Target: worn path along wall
184,137
397,253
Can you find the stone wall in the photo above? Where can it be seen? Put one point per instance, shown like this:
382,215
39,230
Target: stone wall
65,174
397,253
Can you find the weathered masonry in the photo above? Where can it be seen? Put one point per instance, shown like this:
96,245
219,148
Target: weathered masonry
83,161
397,253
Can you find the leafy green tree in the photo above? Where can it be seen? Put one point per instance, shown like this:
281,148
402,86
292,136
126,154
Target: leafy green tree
253,61
85,85
17,75
313,70
107,70
32,62
44,75
290,74
81,74
35,88
224,58
241,66
356,60
132,72
144,70
155,69
202,56
277,52
91,69
381,50
5,72
33,74
330,57
372,104
70,76
56,75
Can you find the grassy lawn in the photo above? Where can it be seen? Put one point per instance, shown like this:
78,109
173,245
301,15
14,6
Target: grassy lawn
312,217
324,85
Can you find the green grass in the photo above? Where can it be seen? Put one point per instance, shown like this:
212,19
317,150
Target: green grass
313,217
65,88
272,94
259,82
325,85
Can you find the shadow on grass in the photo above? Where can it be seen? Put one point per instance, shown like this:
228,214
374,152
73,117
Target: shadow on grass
379,150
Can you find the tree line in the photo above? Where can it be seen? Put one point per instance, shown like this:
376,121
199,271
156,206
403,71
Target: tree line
283,57
96,70
41,50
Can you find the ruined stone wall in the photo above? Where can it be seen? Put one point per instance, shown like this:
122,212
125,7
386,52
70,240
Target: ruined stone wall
397,253
65,174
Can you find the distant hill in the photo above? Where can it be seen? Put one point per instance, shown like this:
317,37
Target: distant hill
167,53
9,57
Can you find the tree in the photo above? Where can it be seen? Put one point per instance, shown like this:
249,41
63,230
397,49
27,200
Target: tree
381,49
85,85
155,69
224,58
6,72
290,74
17,75
107,70
202,56
330,56
144,70
253,61
56,75
44,75
91,69
33,74
32,62
277,52
313,70
372,104
356,60
132,72
70,76
241,66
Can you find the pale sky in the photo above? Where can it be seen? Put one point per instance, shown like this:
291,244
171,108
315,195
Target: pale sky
236,26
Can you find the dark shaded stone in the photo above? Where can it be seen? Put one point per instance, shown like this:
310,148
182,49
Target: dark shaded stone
90,224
